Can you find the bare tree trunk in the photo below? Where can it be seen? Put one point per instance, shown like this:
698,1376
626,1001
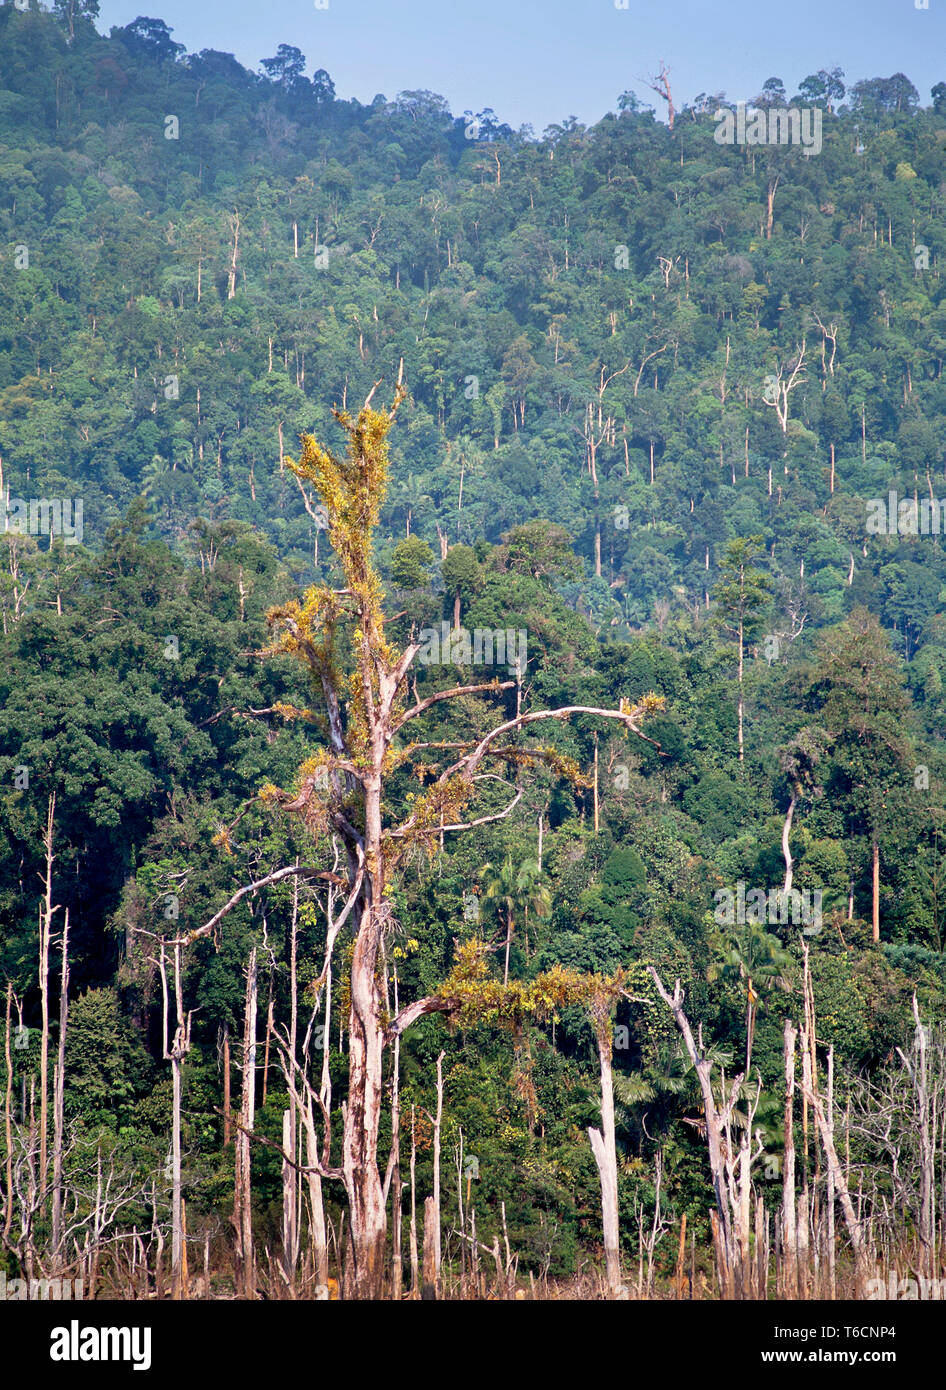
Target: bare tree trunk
742,749
918,1071
227,1101
397,1270
789,1245
363,1111
730,1170
174,1052
8,1117
431,1231
436,1195
242,1206
603,1148
269,1034
596,783
234,255
59,1094
786,852
508,944
832,1282
318,1236
825,1131
415,1280
290,1224
45,936
875,896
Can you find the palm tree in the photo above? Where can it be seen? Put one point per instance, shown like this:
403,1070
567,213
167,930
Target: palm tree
754,955
514,888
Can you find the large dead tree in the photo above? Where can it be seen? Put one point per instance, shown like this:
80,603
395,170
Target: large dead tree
361,682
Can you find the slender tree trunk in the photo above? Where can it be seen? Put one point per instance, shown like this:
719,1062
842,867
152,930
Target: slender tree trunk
227,1101
8,1116
786,852
832,1283
431,1229
269,1034
59,1094
875,896
362,1115
438,1120
318,1235
596,783
174,1052
290,1227
415,1280
826,1132
605,1153
45,935
789,1243
242,1212
397,1268
742,750
234,255
714,1129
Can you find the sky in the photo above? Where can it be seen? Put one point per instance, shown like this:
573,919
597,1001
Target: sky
536,62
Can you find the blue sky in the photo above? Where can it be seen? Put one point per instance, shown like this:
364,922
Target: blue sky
538,61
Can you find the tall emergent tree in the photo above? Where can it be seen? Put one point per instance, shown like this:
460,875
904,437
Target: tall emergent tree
741,595
360,681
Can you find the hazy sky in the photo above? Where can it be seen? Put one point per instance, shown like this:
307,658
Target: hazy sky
538,61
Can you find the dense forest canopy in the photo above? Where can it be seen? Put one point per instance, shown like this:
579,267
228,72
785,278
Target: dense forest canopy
675,413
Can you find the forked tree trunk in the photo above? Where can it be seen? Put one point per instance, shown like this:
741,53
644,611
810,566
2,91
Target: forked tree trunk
825,1128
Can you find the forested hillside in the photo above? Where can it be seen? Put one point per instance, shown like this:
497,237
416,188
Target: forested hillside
659,391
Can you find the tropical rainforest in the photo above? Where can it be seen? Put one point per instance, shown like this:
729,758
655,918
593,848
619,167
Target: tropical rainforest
629,393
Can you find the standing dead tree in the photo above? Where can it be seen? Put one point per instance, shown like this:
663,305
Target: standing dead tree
175,1048
823,1110
780,384
660,83
361,681
899,1122
730,1161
